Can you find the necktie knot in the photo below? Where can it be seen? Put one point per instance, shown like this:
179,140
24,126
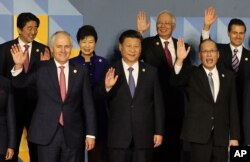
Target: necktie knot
61,67
130,69
235,51
26,46
210,74
166,43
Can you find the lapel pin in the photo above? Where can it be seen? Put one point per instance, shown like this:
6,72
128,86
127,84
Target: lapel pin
37,50
100,60
246,59
222,75
143,70
75,71
157,43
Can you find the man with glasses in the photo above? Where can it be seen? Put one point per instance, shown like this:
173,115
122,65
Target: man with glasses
211,123
24,98
160,51
235,57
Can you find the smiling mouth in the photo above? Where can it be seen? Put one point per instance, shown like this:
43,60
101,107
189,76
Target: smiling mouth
209,61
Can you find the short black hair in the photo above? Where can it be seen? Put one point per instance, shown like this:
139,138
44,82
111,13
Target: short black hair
24,18
207,40
130,34
236,22
84,31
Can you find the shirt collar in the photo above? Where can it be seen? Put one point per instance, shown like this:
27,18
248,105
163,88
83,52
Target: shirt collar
214,70
239,48
126,66
170,40
21,43
66,65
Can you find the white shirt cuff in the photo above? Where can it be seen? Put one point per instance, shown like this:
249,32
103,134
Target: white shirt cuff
90,136
16,72
177,68
205,34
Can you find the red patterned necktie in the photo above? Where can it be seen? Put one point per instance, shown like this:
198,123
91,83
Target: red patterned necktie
168,54
26,62
63,91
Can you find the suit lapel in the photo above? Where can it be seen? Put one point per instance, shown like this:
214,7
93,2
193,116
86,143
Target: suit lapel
35,53
222,77
205,83
141,76
52,71
158,48
72,78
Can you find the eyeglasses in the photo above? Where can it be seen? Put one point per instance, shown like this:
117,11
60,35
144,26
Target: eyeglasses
209,51
164,23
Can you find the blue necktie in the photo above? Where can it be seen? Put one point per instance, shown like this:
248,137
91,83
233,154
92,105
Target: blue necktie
131,81
211,82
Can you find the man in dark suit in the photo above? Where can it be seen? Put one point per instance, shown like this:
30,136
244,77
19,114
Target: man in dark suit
64,111
154,52
211,123
234,57
135,106
7,121
24,98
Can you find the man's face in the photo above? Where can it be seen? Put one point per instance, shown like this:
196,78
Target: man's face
61,48
165,25
87,45
237,35
209,55
130,50
28,33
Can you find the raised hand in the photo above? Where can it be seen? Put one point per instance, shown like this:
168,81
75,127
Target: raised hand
142,24
45,55
209,18
18,56
182,52
110,78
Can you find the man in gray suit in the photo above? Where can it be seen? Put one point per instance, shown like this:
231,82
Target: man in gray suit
64,111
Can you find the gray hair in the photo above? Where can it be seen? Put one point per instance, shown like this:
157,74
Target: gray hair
52,38
166,12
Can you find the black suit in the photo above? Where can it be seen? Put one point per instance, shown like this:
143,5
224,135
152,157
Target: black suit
24,98
7,117
153,54
207,121
78,110
242,80
134,120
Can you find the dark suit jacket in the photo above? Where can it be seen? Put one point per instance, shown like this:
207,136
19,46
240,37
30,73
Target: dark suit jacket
78,109
137,118
7,117
153,54
203,113
25,98
242,80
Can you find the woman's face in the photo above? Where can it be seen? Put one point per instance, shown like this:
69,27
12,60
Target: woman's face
87,45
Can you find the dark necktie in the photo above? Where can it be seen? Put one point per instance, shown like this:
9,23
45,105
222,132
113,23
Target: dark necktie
168,54
62,83
131,81
235,60
211,83
26,62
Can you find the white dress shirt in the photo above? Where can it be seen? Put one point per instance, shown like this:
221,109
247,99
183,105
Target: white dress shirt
21,43
135,72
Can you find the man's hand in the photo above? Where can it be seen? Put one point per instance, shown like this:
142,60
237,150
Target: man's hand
142,24
45,55
89,143
209,18
158,140
9,154
110,78
182,52
18,56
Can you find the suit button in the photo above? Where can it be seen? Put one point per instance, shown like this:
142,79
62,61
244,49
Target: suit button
132,106
212,118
